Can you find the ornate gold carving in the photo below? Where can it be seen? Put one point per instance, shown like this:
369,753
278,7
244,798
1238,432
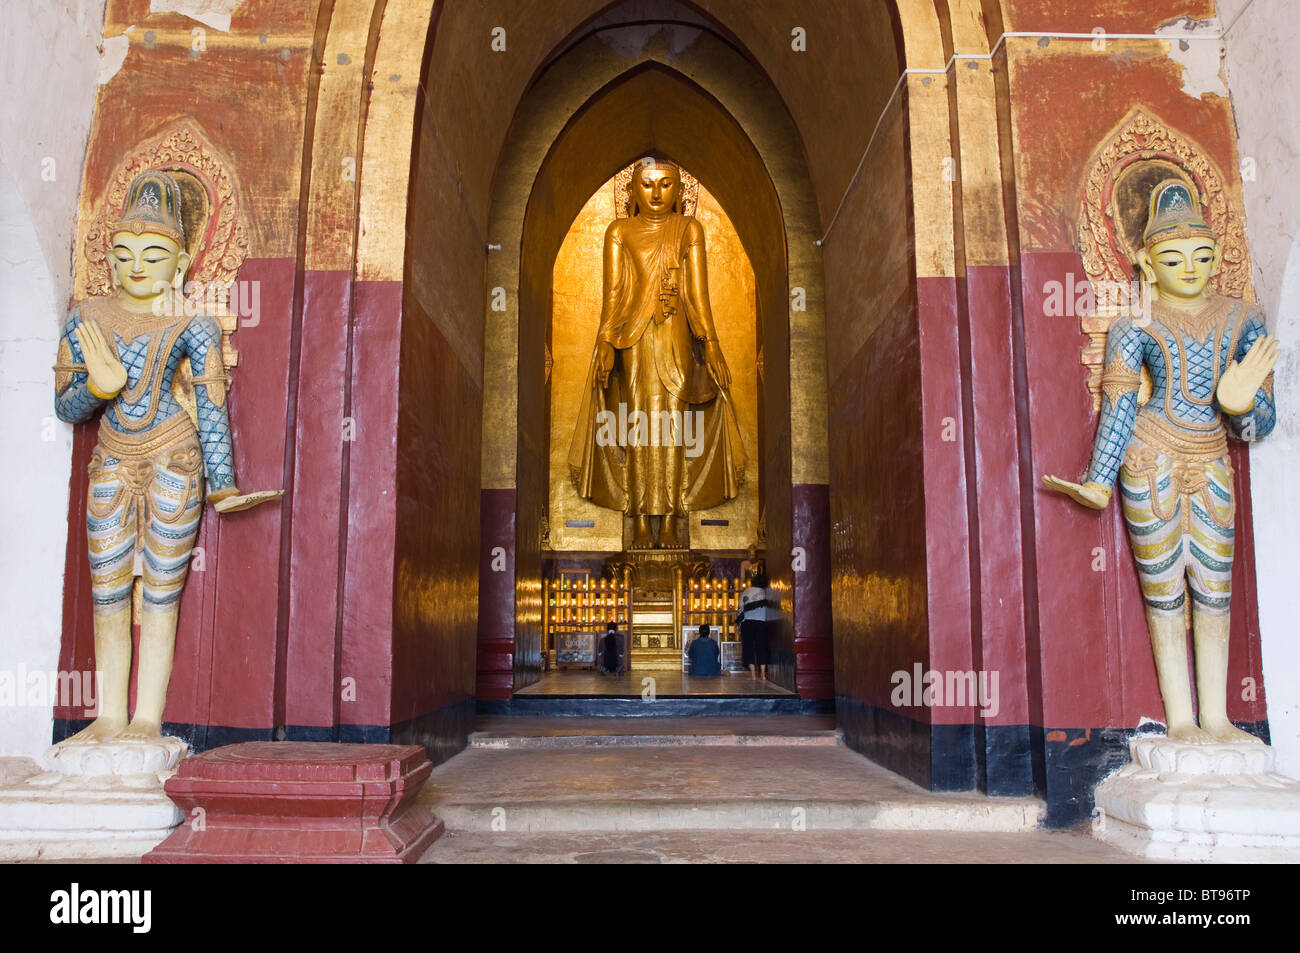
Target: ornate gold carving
1119,379
1151,430
214,378
64,370
138,227
1111,220
123,445
1198,326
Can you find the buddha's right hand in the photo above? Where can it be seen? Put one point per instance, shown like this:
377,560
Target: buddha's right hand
1092,495
604,361
106,374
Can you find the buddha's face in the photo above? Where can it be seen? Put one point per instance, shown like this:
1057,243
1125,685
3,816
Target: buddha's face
144,265
655,188
1181,267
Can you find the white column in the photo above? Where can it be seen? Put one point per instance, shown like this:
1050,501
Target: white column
49,64
1263,74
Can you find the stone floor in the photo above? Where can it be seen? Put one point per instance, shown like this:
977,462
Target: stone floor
784,847
698,786
667,684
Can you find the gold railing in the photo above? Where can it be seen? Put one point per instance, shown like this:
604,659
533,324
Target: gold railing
578,602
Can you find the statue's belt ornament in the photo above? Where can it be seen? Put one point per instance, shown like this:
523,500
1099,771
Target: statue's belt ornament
135,461
1193,460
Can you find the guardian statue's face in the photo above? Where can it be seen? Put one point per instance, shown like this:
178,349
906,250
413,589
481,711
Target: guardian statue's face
1181,267
144,265
656,188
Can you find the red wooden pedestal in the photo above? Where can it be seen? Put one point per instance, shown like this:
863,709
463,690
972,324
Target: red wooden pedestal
300,802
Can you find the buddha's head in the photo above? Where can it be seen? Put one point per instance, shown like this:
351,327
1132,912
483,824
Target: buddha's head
1181,253
655,188
147,251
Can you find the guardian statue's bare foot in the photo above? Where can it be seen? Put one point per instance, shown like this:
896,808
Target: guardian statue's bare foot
1191,735
139,731
101,729
1227,733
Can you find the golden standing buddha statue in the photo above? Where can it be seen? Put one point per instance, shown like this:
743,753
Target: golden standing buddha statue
656,435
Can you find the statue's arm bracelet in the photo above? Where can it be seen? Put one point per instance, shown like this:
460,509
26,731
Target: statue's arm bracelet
90,386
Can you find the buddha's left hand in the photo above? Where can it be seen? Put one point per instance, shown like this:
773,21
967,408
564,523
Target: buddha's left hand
1243,379
717,364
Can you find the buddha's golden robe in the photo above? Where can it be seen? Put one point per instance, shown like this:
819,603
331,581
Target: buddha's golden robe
655,315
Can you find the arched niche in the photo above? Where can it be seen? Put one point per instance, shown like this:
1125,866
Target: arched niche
616,125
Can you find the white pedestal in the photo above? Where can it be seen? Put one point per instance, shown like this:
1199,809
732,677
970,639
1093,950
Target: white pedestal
1221,802
88,800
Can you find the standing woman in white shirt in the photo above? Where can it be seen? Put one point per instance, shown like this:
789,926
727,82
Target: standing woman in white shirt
756,608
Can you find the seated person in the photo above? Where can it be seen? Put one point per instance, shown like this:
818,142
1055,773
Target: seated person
607,654
705,656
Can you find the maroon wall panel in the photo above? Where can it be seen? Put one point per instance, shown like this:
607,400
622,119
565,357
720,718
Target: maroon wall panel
947,538
77,647
496,597
241,642
311,689
878,542
437,553
813,648
1001,640
372,503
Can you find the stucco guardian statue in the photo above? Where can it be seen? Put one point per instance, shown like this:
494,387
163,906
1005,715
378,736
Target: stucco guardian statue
154,464
1207,790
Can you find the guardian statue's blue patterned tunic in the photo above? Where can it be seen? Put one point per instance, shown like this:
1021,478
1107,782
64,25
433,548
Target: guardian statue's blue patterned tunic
147,469
1170,455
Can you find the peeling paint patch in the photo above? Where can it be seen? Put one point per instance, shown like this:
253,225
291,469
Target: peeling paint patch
211,13
112,54
1200,58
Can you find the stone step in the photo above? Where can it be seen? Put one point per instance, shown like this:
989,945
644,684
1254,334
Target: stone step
493,740
774,847
628,787
596,706
994,815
